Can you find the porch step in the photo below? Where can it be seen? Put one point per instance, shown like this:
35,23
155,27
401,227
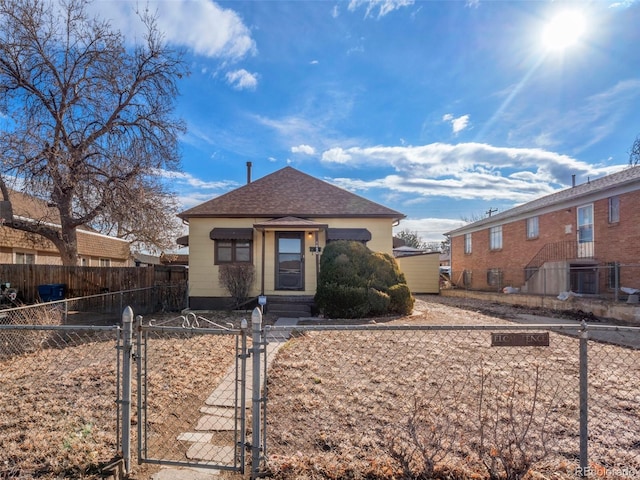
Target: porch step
290,306
287,310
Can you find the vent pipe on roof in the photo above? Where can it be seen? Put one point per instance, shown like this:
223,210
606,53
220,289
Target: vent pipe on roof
573,180
248,172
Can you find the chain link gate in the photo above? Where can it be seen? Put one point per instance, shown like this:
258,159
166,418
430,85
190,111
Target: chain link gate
182,420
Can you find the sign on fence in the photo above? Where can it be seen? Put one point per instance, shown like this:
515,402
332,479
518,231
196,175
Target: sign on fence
520,339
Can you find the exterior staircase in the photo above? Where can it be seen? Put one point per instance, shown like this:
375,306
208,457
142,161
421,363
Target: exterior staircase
290,306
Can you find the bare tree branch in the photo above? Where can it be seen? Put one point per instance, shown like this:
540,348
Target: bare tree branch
91,121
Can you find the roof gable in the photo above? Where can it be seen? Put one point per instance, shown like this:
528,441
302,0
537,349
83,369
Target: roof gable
290,192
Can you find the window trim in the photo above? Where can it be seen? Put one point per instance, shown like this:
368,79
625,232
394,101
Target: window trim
614,209
495,233
468,246
533,233
31,255
495,277
234,250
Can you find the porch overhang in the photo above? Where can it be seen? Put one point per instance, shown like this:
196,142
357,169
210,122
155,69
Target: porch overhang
290,223
354,234
231,234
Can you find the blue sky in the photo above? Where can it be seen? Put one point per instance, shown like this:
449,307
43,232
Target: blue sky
441,110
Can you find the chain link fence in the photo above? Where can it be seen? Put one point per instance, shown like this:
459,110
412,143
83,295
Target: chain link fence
453,402
59,387
612,281
191,397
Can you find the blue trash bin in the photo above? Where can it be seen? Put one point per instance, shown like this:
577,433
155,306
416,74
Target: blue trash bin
52,292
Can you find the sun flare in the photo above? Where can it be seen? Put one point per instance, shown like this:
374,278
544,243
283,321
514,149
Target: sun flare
564,30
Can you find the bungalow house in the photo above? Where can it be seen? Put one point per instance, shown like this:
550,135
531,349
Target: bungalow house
18,247
280,224
584,239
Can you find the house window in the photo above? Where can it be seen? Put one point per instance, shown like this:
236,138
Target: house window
495,238
84,262
614,209
613,275
105,262
25,258
494,277
532,228
232,251
467,243
466,278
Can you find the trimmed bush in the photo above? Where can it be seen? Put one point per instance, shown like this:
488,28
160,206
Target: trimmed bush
401,299
343,301
355,282
378,302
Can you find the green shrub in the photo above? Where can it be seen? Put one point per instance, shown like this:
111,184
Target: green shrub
355,282
343,301
401,299
378,302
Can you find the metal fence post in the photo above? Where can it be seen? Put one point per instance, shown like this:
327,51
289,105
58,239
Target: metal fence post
584,400
256,330
127,350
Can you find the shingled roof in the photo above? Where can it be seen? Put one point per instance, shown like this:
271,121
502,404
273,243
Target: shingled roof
290,192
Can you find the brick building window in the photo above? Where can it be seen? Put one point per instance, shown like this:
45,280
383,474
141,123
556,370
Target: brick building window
494,277
533,230
466,278
495,238
467,243
613,275
105,262
614,209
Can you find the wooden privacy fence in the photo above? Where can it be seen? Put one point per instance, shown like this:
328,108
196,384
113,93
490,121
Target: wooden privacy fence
84,281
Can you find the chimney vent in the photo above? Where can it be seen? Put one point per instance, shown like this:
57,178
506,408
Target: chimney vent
573,180
248,172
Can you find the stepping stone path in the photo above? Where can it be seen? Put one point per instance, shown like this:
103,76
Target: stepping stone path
218,417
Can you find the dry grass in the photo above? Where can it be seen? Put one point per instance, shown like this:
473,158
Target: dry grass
338,401
353,404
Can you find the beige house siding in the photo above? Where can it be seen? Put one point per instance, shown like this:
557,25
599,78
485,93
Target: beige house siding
91,246
422,272
203,273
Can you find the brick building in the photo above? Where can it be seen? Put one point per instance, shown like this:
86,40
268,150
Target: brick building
584,239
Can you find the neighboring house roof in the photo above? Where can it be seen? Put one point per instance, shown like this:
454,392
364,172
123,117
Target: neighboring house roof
90,242
289,192
626,177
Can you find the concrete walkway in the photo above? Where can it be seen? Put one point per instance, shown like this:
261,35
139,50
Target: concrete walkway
218,416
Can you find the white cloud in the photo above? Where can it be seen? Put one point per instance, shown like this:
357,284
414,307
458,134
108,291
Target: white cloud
463,171
383,7
306,149
200,25
186,179
242,80
458,124
336,155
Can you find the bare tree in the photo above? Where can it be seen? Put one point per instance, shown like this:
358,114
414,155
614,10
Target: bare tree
88,123
634,154
411,239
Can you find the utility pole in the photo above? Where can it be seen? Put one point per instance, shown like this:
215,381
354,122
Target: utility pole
491,210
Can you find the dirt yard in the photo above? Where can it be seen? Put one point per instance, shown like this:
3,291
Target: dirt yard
338,412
